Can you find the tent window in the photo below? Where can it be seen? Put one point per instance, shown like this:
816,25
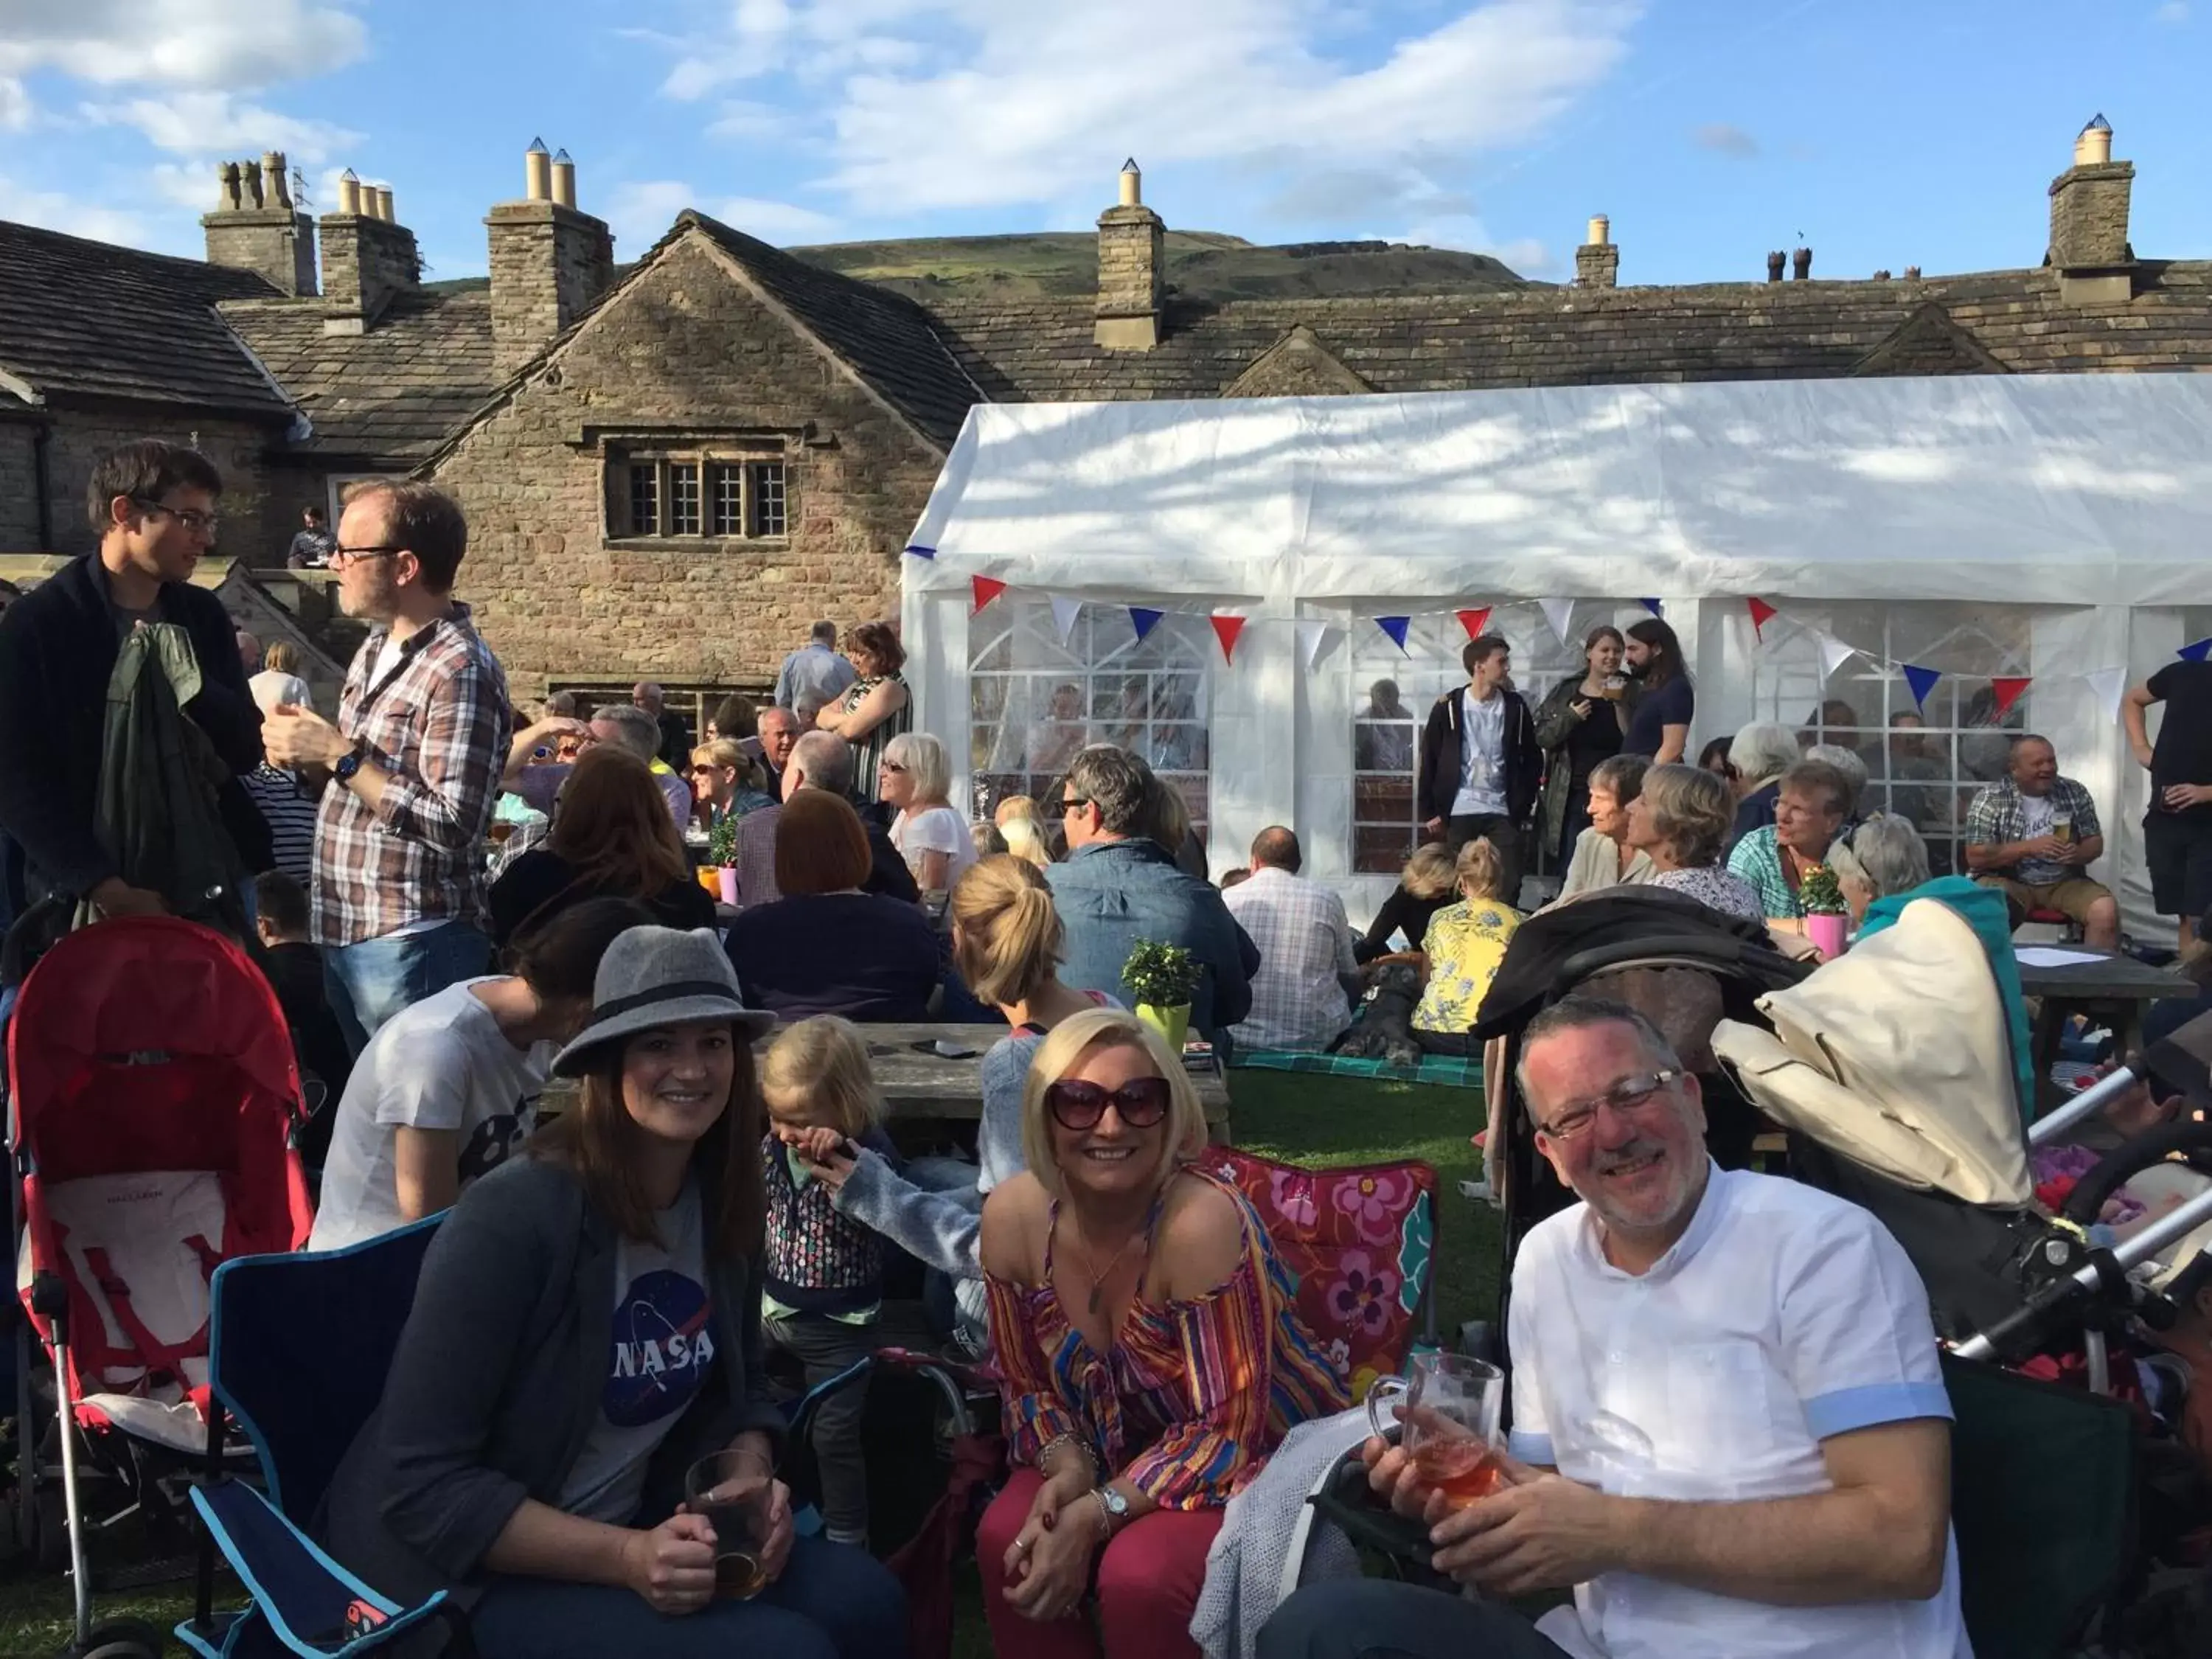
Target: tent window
1925,763
1034,702
1390,694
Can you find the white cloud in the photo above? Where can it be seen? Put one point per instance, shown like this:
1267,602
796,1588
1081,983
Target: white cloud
1725,140
937,104
15,110
54,211
2173,11
640,214
197,43
215,124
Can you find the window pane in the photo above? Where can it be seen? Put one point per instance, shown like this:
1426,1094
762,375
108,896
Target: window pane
767,498
725,500
683,498
644,499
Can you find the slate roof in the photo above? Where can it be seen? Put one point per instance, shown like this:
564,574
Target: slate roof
90,318
394,392
1041,350
885,337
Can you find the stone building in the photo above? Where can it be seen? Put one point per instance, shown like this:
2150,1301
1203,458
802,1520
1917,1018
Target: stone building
672,467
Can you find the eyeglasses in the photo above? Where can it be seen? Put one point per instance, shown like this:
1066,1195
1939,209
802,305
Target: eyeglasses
1141,1102
1629,1095
199,524
356,555
891,766
1073,804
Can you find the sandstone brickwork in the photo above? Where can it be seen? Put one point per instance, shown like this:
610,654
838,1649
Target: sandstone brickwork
548,263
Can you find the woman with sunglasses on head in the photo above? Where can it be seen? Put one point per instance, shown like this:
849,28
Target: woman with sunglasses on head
1151,1352
585,1329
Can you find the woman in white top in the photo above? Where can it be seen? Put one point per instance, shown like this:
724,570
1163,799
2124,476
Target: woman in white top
916,777
1602,856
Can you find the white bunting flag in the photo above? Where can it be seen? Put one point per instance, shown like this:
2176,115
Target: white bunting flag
1834,653
2107,685
1561,613
1313,635
1064,614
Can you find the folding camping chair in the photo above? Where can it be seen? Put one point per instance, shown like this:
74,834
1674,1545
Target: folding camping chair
298,1350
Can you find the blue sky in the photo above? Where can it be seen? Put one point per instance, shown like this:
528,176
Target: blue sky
1886,133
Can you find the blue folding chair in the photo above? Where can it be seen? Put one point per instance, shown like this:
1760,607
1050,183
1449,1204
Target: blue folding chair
299,1347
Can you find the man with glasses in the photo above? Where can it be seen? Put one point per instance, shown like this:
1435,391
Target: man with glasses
1730,1435
152,505
412,764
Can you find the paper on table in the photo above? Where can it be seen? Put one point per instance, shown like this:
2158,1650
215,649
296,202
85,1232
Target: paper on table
2050,956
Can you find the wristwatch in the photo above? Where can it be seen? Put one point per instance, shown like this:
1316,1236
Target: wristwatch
348,764
1113,1506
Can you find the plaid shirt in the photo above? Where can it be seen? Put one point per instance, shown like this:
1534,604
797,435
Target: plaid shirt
1999,815
438,725
1304,942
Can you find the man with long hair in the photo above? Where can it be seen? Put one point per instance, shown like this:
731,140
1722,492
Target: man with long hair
1660,728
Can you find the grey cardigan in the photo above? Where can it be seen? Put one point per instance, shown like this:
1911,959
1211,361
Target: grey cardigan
497,1378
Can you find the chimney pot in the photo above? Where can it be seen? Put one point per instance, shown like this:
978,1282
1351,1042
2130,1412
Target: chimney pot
564,180
1800,264
384,205
1601,230
1133,184
348,192
249,176
226,199
536,172
255,227
1775,261
276,191
1132,271
2093,146
1913,273
1598,262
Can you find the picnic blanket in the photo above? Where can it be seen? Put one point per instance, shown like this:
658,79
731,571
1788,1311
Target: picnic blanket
1455,1071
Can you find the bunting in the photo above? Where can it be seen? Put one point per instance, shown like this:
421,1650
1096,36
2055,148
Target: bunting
920,551
2197,651
1145,619
2007,689
1313,635
1474,621
1761,614
1653,606
2106,685
1561,613
986,589
1920,681
1065,614
1226,630
1395,627
1834,653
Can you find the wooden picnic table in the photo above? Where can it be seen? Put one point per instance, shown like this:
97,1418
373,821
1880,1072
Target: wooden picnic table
2116,987
921,1086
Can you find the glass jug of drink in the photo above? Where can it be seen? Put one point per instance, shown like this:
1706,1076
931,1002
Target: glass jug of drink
1450,1407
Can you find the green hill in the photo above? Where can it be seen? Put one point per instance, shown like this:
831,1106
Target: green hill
1200,266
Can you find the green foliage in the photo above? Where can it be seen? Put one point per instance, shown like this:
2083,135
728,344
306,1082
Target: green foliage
1161,975
1821,893
722,841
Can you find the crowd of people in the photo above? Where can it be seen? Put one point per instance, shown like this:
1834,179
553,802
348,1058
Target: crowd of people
458,901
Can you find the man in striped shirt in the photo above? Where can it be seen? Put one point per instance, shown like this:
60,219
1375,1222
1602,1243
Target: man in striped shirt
413,763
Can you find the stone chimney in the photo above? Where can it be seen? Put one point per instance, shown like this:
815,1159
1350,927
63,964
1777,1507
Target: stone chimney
1800,264
1597,261
367,257
255,226
2089,223
1132,270
549,261
1775,260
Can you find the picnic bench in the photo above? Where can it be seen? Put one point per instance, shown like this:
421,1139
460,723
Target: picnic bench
2113,987
921,1084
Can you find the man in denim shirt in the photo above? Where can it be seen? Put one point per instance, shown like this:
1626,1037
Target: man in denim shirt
1118,887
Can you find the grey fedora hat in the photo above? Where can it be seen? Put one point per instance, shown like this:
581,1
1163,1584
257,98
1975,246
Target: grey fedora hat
652,976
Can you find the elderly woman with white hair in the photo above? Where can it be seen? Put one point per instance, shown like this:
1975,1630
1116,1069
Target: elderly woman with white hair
1758,755
1891,869
914,778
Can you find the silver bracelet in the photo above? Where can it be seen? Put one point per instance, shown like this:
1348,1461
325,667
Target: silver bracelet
1067,1437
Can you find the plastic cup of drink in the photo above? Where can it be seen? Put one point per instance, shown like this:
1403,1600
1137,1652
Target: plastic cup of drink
1449,1407
731,1489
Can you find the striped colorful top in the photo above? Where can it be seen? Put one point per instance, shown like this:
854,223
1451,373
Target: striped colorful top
1194,1394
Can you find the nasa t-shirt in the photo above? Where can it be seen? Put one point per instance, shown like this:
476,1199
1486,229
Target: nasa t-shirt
441,1064
661,1349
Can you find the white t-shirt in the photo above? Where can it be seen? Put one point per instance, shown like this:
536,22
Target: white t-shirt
441,1064
1481,755
2037,814
1783,1317
939,830
661,1349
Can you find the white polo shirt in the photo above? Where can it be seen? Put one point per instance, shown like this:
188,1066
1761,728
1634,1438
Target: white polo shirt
1782,1316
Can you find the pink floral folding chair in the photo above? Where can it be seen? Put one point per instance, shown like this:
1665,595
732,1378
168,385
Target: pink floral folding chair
1361,1242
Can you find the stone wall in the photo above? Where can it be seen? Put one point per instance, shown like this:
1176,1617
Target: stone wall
687,349
240,450
2089,215
548,263
19,489
365,262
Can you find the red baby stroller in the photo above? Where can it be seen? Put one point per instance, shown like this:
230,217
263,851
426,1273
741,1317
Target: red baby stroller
152,1099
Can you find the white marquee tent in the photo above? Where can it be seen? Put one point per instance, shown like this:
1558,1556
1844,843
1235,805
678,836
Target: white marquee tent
2049,527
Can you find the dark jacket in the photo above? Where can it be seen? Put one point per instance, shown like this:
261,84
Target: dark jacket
1555,729
497,1380
540,885
58,644
859,955
1112,894
1440,759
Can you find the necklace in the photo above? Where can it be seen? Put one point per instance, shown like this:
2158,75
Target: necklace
1098,1278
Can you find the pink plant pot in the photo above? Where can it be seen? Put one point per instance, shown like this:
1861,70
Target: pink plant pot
728,877
1827,934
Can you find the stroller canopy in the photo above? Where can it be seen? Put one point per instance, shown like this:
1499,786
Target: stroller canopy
1897,1057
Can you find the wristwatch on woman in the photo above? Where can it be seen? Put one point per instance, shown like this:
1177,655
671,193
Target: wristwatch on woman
1113,1506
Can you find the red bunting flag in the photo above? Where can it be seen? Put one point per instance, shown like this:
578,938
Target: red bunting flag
1474,621
2009,690
1761,614
1226,629
986,589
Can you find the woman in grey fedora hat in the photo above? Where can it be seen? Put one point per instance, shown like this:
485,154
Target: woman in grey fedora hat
588,1327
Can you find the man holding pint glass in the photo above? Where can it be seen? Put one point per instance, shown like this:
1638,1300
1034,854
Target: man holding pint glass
1731,1437
2032,834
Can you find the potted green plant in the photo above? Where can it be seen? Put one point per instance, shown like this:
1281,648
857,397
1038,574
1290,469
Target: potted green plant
1163,978
1821,896
722,851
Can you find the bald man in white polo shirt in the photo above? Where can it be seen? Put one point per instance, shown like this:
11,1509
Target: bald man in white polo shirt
1730,1436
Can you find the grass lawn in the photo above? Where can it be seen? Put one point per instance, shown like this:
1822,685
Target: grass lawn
1302,1119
